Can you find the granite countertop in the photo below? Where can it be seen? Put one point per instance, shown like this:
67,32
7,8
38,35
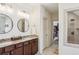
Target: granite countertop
24,38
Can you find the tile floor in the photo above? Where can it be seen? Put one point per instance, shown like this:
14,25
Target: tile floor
52,50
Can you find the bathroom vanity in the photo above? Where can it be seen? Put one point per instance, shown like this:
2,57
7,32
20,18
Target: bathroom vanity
21,45
26,45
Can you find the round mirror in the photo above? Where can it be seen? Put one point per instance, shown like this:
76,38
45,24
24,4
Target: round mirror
23,25
6,23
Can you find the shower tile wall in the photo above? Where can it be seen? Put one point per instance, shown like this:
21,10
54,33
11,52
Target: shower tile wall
73,28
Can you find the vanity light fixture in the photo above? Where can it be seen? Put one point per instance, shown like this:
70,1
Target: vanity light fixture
23,14
5,8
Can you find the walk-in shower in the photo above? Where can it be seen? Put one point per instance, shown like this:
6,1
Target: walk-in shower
73,26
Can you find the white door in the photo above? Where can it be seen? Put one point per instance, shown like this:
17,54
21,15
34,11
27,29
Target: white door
46,32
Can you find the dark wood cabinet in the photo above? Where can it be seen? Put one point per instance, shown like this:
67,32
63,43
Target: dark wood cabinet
23,48
9,48
1,50
34,44
18,51
27,48
6,53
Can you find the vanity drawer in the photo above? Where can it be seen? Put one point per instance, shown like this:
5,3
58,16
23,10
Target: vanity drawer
9,48
19,45
26,43
34,40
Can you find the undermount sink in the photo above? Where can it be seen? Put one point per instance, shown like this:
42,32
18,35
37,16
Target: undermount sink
16,38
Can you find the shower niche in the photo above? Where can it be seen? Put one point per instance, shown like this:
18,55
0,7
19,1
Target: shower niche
72,22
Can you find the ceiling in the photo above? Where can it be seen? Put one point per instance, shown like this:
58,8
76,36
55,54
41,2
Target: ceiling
51,7
23,6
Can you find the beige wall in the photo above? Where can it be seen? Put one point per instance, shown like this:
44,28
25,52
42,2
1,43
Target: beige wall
55,17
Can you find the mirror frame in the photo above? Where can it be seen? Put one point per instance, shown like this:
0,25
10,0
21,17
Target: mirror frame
11,22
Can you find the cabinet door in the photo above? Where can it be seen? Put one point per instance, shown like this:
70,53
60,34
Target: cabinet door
17,51
9,48
34,45
27,48
1,50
